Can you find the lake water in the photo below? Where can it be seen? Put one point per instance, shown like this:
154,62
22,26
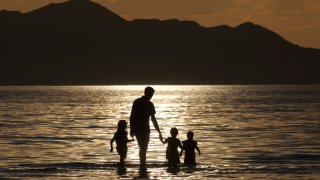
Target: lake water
243,132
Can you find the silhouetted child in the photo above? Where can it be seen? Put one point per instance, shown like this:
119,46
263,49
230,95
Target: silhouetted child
172,153
189,146
121,138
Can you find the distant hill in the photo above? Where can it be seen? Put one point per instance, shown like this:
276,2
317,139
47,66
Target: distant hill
82,42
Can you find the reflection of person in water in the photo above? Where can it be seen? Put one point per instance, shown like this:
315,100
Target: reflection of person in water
172,153
189,146
142,110
121,138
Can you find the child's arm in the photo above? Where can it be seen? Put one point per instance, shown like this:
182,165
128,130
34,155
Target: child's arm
181,147
181,152
197,148
111,143
130,140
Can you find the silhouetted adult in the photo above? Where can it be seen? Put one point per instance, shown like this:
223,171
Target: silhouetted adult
142,110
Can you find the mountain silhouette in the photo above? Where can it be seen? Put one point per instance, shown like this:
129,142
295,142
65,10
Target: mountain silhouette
76,12
82,42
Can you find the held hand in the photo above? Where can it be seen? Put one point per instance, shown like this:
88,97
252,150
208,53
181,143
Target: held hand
160,137
199,153
131,134
111,150
181,153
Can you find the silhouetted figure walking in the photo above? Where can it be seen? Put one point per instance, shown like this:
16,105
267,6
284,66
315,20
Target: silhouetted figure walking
189,146
172,153
142,110
121,138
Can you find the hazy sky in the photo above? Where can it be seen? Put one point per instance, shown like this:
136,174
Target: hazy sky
296,20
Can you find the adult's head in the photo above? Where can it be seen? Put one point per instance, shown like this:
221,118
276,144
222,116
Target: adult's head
148,92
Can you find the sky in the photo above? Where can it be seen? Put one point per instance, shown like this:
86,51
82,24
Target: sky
298,21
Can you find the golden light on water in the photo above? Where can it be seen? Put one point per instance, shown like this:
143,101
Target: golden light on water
175,106
167,116
241,130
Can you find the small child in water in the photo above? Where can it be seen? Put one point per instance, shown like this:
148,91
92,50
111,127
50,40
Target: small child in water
121,138
189,146
172,153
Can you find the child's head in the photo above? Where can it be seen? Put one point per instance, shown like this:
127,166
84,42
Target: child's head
122,125
190,135
174,132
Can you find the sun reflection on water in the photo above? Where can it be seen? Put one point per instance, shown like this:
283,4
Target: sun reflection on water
243,131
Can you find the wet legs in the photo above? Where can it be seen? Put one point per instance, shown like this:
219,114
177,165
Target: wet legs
143,141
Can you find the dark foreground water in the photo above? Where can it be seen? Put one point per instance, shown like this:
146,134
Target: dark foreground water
244,132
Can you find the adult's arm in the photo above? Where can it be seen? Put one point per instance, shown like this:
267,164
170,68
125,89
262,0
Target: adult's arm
156,126
131,127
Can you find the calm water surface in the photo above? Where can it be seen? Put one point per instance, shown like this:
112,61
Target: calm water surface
244,132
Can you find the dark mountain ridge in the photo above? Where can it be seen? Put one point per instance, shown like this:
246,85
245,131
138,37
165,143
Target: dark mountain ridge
78,11
82,42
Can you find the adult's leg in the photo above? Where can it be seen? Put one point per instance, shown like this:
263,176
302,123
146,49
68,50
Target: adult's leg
143,141
121,160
